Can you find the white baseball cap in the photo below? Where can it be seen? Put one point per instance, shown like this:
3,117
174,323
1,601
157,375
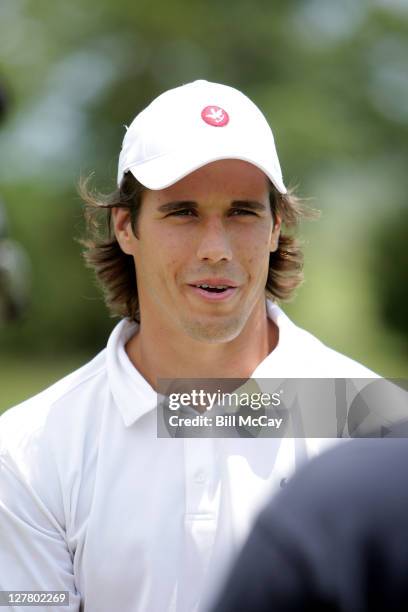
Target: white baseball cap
190,126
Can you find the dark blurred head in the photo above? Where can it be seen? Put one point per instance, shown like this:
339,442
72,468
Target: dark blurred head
3,102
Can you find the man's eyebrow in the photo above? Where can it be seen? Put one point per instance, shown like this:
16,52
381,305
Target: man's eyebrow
251,204
176,205
172,206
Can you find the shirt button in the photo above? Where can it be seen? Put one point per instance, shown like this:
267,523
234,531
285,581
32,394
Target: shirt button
200,477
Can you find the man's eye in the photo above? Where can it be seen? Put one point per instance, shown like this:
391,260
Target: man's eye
242,211
183,212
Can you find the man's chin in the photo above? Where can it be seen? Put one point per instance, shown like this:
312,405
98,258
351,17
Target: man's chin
214,332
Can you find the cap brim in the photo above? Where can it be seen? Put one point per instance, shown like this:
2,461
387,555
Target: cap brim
165,170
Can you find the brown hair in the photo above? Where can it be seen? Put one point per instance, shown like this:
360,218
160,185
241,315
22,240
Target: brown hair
115,270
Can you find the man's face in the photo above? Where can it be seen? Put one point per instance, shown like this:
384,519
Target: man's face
202,252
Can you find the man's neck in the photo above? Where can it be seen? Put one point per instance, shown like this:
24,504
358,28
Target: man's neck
156,354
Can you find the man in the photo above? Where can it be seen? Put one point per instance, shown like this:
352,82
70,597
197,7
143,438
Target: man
91,500
334,539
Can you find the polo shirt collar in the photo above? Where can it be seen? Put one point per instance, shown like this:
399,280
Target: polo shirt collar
134,396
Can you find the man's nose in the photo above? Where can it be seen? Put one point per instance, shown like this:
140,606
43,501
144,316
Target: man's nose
214,244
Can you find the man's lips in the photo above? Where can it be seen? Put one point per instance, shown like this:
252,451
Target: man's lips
214,289
214,282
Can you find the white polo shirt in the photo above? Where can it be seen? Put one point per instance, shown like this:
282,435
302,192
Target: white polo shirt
92,502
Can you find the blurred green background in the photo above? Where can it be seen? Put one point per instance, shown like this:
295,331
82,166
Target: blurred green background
330,75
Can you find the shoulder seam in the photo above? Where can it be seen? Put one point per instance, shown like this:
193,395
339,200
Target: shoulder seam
62,394
75,386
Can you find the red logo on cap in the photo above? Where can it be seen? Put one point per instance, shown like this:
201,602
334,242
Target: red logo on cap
214,115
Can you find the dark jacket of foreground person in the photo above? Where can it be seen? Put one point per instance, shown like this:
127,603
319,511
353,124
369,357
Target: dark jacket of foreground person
335,538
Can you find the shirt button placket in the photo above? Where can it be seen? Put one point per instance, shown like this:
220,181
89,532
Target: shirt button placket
201,511
199,474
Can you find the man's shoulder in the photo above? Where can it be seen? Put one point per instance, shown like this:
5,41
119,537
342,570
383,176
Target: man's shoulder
310,357
68,400
331,362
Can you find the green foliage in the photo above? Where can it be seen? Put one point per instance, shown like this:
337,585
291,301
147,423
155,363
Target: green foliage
328,75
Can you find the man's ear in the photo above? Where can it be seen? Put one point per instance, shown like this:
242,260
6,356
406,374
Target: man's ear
123,229
275,234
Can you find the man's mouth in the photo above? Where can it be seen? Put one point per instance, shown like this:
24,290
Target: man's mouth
214,289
